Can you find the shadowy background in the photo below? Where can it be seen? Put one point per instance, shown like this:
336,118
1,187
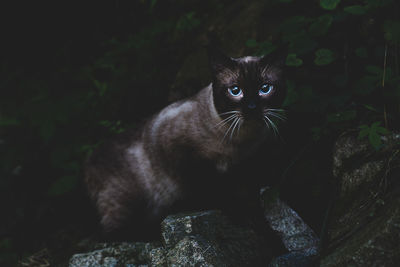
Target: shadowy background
74,74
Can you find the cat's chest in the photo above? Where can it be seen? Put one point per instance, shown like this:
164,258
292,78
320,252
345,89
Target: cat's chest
227,156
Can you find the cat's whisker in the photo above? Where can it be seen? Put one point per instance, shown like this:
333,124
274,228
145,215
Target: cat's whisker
266,123
275,109
240,124
233,128
274,128
235,125
276,115
229,112
229,129
225,121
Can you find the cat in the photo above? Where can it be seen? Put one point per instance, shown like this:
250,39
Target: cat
192,154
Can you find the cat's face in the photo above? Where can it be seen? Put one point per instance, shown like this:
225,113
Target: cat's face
248,90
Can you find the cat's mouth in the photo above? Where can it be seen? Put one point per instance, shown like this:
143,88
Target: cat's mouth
269,118
236,125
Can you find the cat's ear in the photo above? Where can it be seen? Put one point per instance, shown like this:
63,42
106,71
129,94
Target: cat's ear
219,61
276,58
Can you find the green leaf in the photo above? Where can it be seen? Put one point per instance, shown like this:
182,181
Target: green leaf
321,25
382,130
9,122
323,57
251,43
375,124
371,108
375,139
363,132
266,48
293,60
373,132
329,4
63,185
106,123
356,10
102,87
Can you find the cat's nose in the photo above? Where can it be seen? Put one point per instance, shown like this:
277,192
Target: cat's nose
252,105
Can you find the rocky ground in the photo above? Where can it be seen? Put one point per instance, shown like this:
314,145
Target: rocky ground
363,227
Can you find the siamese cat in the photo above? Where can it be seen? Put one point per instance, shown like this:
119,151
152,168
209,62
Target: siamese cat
193,154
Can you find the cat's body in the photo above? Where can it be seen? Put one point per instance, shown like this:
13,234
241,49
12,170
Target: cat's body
189,155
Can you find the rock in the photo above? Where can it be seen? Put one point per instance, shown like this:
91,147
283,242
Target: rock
373,243
209,239
298,238
176,227
158,257
196,239
293,259
115,254
364,227
194,251
295,233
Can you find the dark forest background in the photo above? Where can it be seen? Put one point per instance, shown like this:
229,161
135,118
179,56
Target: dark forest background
72,75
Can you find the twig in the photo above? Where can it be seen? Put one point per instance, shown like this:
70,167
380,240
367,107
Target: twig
383,85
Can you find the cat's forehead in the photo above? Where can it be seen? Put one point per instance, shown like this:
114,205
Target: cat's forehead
247,71
247,59
253,68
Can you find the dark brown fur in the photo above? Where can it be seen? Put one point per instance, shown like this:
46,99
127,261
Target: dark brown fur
184,157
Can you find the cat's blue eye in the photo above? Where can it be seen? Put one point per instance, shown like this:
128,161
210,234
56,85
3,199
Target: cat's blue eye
235,91
266,89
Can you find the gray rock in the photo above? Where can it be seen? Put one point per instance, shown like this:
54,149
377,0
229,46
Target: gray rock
364,225
295,233
158,257
298,238
194,251
209,239
176,227
115,254
196,239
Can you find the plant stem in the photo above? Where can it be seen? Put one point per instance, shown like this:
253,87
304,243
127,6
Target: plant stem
383,85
